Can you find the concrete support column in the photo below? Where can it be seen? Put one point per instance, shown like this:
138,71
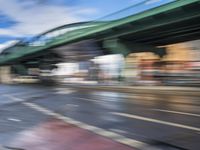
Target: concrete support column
5,75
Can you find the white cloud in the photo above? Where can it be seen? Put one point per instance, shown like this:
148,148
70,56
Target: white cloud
152,2
7,44
33,19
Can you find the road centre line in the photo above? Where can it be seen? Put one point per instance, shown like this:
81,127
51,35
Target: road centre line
156,121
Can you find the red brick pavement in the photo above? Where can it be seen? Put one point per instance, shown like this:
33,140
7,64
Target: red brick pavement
57,135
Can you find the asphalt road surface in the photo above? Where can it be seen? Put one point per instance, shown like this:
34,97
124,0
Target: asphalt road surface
133,120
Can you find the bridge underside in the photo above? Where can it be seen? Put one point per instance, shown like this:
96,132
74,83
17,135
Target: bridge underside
173,26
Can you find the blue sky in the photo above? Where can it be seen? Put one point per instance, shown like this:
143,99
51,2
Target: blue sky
26,18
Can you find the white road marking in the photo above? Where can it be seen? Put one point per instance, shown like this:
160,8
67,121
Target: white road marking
13,119
120,95
72,105
95,100
118,131
177,112
162,110
19,99
13,98
87,99
24,93
65,91
156,121
111,135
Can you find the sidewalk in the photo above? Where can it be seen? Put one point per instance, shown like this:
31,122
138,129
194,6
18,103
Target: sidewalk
58,135
177,90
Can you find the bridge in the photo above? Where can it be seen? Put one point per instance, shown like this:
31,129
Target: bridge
174,22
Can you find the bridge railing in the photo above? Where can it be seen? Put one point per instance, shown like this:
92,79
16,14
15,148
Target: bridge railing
138,6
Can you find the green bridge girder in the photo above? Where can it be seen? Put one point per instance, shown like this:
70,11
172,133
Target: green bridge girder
170,23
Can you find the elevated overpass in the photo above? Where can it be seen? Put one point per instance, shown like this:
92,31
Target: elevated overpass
174,22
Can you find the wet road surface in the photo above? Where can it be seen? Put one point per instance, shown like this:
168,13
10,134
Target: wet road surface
132,120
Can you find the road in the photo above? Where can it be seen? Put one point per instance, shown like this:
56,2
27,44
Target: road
133,120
